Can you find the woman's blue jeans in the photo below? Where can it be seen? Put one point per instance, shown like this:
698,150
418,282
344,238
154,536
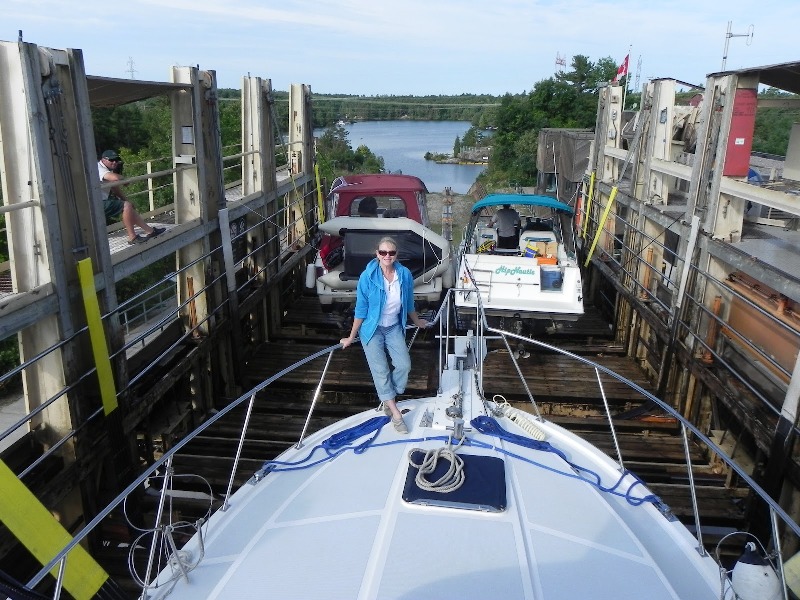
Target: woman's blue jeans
389,383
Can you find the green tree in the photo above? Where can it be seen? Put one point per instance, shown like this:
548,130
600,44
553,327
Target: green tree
335,155
605,70
513,119
472,137
566,100
120,127
525,151
774,125
579,76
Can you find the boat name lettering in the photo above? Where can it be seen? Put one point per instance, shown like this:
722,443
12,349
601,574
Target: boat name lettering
504,270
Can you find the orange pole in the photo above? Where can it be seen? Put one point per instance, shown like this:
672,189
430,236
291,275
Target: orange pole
192,307
713,330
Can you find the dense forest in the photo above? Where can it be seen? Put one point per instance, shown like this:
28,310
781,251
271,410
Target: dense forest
329,109
568,99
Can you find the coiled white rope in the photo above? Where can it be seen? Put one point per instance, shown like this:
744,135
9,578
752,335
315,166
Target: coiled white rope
520,417
451,480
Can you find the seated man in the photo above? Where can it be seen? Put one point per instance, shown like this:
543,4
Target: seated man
116,204
368,207
507,221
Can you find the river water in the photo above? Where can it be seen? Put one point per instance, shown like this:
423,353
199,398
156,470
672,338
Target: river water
403,145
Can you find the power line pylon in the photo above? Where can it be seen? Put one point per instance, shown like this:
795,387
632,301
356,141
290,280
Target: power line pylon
131,70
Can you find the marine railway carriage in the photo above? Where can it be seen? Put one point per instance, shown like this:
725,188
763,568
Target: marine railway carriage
350,237
479,500
539,279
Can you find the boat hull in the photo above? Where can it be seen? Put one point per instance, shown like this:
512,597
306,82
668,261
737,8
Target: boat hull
347,527
509,285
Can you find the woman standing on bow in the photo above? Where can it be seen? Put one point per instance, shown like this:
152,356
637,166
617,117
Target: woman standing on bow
384,302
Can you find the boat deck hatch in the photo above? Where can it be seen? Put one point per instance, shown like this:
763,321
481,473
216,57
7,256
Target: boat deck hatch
484,486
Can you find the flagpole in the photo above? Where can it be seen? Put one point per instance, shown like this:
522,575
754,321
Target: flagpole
627,71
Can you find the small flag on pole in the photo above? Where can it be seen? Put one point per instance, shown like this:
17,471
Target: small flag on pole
623,69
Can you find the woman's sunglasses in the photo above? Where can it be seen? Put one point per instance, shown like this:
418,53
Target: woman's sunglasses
385,252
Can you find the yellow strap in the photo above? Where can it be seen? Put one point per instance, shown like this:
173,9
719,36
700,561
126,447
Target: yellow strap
588,206
601,224
105,376
43,536
320,202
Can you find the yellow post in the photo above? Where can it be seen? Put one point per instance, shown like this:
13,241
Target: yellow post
588,206
36,528
320,203
601,224
97,336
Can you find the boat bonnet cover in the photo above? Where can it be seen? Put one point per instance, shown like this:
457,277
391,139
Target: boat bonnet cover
521,200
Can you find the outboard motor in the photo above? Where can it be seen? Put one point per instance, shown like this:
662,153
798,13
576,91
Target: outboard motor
753,577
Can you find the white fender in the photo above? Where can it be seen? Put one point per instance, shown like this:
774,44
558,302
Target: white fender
449,277
311,276
753,577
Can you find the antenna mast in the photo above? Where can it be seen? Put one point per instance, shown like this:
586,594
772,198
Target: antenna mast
561,61
729,35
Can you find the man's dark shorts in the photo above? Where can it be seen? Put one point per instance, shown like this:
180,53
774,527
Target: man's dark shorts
112,206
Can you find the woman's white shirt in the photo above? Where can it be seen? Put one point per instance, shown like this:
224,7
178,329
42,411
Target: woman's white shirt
393,302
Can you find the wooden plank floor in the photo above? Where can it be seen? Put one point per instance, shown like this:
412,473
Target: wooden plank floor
348,369
554,377
550,377
305,320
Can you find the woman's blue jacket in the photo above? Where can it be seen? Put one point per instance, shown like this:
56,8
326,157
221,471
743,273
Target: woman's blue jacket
371,297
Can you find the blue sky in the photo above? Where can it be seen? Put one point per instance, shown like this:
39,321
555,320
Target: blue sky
376,47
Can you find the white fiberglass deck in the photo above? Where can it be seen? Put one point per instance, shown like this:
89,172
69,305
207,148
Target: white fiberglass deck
340,529
513,283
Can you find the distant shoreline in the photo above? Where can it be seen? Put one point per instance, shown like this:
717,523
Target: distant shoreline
459,161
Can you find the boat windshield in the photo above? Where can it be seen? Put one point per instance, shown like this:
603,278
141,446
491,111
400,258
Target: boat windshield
390,206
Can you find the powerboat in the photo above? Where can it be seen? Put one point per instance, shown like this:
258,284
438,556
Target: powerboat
364,209
537,278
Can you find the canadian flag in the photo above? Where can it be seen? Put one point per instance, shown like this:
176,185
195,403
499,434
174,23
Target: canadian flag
623,69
